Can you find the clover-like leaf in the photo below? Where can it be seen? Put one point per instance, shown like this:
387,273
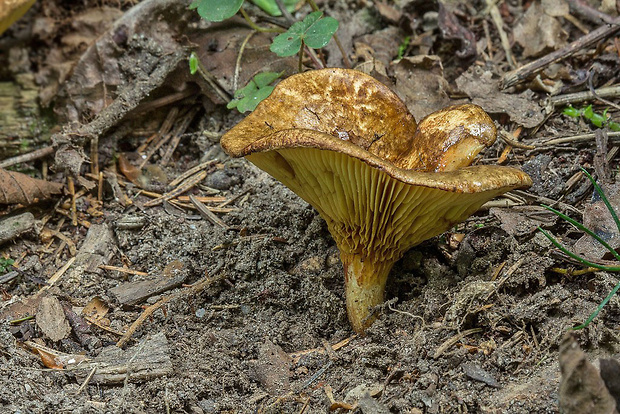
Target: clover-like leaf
216,10
246,98
315,31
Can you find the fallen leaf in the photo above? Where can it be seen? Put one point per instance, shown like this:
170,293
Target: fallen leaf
420,83
51,319
484,90
539,32
18,188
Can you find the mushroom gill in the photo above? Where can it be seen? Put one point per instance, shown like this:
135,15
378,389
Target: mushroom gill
347,145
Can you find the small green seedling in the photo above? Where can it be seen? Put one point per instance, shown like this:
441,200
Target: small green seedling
315,31
598,120
257,89
194,63
586,230
5,264
402,48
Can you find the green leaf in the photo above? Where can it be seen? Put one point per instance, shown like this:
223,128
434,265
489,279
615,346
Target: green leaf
271,7
246,98
193,63
314,30
320,33
216,10
571,111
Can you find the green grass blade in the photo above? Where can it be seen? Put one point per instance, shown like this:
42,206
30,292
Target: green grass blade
584,229
598,309
600,192
576,257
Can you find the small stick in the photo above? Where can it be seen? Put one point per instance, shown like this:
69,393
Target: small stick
71,187
238,62
453,340
191,172
499,25
577,138
31,156
519,75
190,290
183,187
570,98
123,270
178,132
206,213
86,380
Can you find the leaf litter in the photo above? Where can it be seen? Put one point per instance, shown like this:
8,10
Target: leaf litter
265,328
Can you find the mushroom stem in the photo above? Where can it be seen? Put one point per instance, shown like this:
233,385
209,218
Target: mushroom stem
364,285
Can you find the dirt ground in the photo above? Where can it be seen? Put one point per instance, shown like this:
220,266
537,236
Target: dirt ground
245,313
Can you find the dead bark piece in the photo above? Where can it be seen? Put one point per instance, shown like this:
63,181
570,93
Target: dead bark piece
18,188
581,388
95,251
13,227
145,361
51,319
133,293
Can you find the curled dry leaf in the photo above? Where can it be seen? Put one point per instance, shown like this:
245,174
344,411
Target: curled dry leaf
18,188
348,146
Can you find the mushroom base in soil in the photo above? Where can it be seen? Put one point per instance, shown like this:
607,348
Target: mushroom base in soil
347,145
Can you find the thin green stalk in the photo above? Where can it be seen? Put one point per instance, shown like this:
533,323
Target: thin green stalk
585,230
257,27
598,309
600,192
578,258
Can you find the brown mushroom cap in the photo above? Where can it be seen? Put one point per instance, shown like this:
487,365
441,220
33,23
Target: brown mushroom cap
348,146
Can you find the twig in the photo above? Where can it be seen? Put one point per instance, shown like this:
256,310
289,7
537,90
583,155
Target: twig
238,62
499,25
588,13
123,270
578,138
192,171
31,156
183,187
453,340
71,187
206,213
519,75
86,380
190,290
570,98
180,129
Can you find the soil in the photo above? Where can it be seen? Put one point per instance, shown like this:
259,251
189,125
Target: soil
473,320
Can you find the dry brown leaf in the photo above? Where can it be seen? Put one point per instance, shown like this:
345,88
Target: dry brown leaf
539,32
18,188
96,309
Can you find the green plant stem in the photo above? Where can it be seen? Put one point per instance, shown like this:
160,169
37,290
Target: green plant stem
598,309
257,27
301,57
585,230
345,58
578,258
600,192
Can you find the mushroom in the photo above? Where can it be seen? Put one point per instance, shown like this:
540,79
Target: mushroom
347,145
